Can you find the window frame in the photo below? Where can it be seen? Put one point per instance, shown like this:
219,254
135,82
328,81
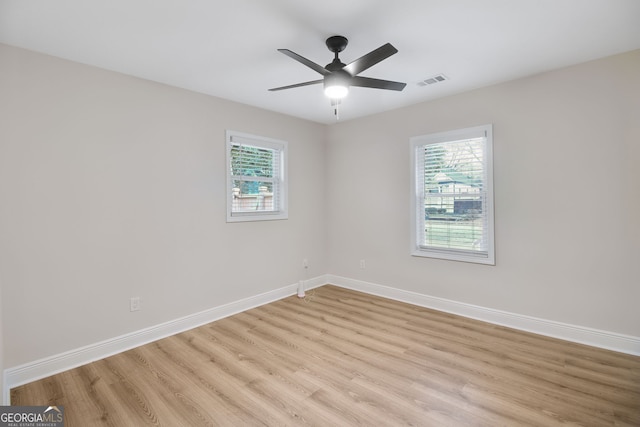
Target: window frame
418,221
280,181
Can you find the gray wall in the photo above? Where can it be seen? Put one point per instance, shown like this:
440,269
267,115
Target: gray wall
567,196
113,187
2,381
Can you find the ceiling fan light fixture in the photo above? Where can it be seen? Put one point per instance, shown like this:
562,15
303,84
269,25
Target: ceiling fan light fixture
336,85
336,91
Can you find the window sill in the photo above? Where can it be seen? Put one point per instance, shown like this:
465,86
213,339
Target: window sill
453,256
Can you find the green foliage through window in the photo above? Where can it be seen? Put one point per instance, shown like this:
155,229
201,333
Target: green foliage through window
250,163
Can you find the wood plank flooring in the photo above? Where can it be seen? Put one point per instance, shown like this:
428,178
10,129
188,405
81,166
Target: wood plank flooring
342,358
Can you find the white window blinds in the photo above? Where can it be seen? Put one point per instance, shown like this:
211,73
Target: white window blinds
453,200
256,178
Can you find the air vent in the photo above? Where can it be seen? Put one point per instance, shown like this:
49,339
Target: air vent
433,80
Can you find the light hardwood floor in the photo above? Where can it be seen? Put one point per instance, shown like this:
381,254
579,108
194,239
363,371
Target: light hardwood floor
343,358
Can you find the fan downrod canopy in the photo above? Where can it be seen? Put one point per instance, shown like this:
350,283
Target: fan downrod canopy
337,43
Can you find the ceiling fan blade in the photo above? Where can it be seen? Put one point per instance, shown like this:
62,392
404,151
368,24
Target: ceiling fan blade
313,82
301,59
370,59
376,83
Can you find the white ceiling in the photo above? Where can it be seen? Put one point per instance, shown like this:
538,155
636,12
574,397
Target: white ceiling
228,49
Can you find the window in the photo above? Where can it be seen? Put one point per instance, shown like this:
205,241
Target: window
452,195
256,178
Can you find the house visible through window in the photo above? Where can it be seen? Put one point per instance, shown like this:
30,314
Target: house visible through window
256,178
452,197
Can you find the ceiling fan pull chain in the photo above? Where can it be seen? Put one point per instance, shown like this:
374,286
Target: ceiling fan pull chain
336,112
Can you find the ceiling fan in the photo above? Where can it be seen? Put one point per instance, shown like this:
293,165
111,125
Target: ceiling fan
339,76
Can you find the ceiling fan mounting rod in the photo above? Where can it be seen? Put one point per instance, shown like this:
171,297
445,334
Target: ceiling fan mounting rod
336,44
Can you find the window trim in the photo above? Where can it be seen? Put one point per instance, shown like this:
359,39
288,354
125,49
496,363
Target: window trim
418,221
233,138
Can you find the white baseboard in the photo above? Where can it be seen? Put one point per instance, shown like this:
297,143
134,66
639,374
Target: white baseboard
43,368
579,334
32,371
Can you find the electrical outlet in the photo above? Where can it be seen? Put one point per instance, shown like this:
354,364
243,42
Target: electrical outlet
134,304
362,264
305,263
